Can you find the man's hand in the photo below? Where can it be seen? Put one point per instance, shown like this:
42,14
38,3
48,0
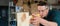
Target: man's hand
35,20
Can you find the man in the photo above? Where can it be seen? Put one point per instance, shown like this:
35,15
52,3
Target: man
44,20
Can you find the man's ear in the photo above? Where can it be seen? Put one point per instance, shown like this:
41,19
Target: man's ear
50,7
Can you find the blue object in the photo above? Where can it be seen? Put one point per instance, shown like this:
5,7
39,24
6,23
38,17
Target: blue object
13,23
57,16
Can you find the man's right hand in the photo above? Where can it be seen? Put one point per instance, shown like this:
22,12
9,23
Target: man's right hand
35,20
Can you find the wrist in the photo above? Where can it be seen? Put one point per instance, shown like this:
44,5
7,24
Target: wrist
37,25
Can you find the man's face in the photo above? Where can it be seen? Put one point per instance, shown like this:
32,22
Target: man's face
43,10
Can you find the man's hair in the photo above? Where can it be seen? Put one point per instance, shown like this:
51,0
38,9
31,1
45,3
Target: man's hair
41,3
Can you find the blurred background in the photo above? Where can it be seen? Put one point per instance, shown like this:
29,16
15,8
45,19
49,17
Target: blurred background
9,8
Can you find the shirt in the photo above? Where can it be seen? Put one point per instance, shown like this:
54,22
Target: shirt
54,16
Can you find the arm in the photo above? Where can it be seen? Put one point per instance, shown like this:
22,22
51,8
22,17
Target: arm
47,23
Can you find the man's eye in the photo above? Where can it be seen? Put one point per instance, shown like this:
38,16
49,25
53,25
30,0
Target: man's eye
39,11
42,10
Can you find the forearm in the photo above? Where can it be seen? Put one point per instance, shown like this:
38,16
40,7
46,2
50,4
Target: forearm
47,23
37,25
52,24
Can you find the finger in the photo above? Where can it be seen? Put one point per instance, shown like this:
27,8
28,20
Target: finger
33,15
31,21
33,18
36,20
34,23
